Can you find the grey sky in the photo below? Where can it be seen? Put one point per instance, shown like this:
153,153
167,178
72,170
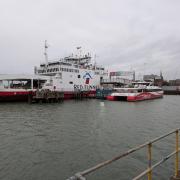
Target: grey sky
143,35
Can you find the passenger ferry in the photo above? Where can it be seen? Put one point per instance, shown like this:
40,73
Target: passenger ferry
140,91
71,74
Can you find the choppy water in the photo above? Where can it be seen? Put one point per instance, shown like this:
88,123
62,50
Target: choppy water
54,141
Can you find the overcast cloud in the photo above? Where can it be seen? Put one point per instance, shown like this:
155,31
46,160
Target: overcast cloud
141,35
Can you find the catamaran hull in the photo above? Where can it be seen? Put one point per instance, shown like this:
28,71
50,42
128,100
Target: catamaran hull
144,96
138,97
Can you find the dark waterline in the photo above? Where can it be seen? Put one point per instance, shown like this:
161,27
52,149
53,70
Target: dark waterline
54,141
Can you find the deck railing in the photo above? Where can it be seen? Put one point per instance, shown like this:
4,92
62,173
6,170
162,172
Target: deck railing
148,171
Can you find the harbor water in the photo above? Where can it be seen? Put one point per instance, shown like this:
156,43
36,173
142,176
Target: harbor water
56,140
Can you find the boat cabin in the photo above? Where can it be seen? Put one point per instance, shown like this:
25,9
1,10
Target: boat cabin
28,82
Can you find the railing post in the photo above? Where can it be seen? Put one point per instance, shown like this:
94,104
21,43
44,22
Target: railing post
150,161
177,154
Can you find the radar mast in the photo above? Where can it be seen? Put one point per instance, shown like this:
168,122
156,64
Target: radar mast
45,52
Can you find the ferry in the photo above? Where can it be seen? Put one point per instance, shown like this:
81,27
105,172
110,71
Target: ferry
138,92
18,87
73,73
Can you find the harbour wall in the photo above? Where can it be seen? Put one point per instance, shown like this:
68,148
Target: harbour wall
171,90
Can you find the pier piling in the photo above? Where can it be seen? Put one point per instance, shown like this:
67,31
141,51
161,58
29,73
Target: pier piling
47,96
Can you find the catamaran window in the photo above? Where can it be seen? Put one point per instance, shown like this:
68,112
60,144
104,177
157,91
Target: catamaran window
79,76
152,90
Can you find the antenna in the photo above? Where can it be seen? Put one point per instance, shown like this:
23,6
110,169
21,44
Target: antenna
45,52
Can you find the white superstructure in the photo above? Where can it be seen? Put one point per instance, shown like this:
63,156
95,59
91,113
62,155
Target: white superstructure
75,72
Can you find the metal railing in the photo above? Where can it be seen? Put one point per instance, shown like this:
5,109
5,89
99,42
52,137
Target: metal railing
148,171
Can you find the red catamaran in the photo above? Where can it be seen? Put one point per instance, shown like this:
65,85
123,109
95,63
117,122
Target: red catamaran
140,91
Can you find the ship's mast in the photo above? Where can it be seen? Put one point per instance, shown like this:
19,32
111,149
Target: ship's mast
45,52
79,53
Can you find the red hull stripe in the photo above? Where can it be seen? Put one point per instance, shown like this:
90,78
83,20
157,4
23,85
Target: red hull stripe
9,93
70,94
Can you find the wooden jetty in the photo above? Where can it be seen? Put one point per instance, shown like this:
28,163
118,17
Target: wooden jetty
46,95
171,90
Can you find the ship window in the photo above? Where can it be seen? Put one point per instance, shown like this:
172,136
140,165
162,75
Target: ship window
97,73
79,76
70,82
